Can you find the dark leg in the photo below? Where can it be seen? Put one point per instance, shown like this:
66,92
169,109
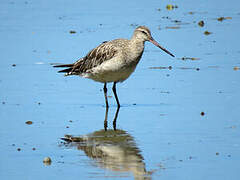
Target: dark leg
115,119
106,120
105,94
115,93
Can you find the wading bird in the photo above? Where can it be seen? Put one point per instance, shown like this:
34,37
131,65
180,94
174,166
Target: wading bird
112,61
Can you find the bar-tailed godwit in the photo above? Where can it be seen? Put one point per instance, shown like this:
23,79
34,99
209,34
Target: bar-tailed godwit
112,61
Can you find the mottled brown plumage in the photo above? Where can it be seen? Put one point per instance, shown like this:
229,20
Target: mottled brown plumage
95,57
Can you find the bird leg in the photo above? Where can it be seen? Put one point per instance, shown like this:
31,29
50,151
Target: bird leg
115,119
106,120
105,94
115,93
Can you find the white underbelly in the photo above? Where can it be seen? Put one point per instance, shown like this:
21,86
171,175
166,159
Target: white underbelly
111,71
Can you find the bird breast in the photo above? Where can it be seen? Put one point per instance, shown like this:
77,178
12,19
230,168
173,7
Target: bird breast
134,52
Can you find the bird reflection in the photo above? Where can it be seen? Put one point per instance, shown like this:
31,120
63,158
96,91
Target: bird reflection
114,120
114,150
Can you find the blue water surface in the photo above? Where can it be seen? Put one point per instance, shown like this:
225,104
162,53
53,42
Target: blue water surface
183,121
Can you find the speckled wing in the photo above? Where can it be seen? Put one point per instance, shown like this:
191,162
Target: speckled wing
94,58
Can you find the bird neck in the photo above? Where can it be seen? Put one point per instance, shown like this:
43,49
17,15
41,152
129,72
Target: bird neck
137,45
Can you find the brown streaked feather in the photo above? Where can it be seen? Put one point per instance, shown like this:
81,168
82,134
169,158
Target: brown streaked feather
68,70
95,57
63,65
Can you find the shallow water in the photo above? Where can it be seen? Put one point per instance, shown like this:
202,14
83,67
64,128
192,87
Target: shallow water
175,123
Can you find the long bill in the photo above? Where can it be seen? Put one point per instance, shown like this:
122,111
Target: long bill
158,45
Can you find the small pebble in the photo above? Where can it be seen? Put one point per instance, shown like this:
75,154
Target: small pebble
217,153
171,7
197,69
18,149
236,68
29,122
201,23
47,161
220,19
72,32
202,113
13,65
33,149
207,33
223,18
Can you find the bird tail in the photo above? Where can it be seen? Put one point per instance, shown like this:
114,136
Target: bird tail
67,71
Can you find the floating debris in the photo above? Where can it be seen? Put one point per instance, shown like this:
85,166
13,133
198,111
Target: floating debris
33,148
197,69
18,149
217,153
176,21
207,33
3,102
223,18
201,23
72,32
189,58
186,68
47,161
166,17
171,7
13,65
161,67
29,122
202,113
172,27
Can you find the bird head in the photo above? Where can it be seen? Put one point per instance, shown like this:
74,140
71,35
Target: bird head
142,33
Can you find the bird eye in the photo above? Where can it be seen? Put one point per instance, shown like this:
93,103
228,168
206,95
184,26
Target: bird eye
144,32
